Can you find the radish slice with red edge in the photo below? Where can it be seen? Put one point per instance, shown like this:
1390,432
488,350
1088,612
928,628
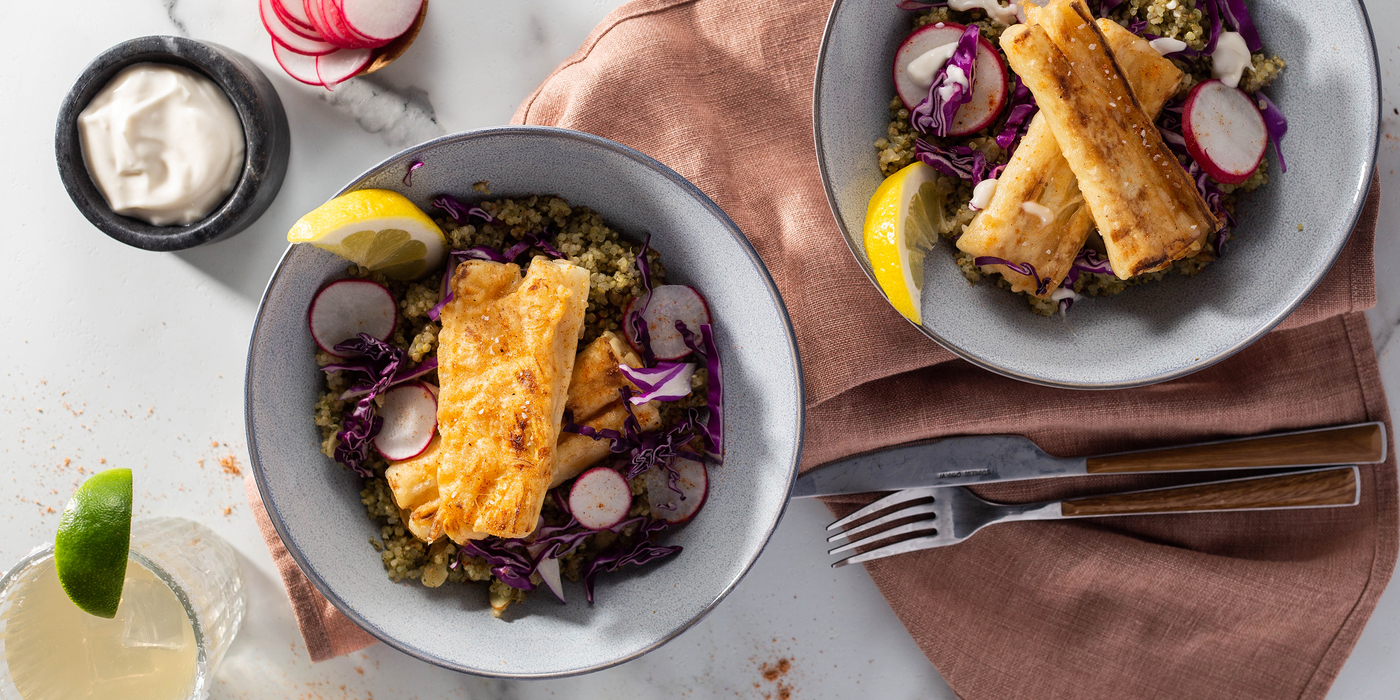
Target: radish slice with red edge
1224,131
294,12
295,26
600,498
410,420
300,67
335,21
381,19
668,303
334,68
290,40
347,308
694,485
337,14
988,82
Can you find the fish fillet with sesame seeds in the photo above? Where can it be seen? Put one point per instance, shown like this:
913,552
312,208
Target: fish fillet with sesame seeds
505,357
1146,207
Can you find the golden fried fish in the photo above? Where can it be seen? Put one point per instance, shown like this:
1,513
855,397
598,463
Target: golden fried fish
505,357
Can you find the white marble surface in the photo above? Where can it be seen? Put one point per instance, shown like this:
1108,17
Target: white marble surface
118,357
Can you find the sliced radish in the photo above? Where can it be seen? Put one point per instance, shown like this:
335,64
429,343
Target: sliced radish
346,308
988,82
694,485
335,12
1224,131
294,13
342,65
410,420
284,35
600,498
381,19
304,30
301,67
669,303
334,20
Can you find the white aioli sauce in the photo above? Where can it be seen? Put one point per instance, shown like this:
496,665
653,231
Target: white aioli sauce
162,143
1230,59
1001,14
924,69
1165,45
982,194
1038,210
956,78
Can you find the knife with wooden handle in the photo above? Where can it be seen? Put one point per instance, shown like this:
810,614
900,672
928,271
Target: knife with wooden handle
982,459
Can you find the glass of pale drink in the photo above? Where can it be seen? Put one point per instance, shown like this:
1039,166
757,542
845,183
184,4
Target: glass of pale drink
181,605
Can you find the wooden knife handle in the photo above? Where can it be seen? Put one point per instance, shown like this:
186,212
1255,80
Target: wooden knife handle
1338,486
1348,444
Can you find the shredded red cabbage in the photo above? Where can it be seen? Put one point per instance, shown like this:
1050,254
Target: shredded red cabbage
1088,260
1237,15
962,162
634,318
935,113
532,240
1107,6
1212,194
919,4
1276,124
667,381
1018,117
379,362
404,374
1139,27
459,211
1027,269
408,176
713,420
643,550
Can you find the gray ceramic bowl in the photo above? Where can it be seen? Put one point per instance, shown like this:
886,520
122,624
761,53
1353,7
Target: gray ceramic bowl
267,137
315,504
1330,93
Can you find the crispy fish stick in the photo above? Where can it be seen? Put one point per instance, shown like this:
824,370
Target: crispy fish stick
597,379
505,357
414,484
1039,173
1145,205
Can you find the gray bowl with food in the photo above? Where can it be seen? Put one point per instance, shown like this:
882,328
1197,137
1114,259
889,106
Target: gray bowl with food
1195,287
502,479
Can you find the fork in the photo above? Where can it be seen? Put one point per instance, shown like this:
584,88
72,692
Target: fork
938,516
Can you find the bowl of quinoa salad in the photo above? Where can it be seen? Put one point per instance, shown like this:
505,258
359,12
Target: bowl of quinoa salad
1094,328
595,204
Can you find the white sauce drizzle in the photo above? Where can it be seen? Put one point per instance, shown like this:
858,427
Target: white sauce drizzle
1001,14
1165,45
956,78
924,69
1230,59
1039,210
982,194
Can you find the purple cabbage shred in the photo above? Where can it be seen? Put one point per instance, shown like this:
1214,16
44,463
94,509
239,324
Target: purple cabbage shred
919,4
644,549
379,362
1275,123
1027,269
935,113
459,211
1018,117
962,162
634,320
408,176
712,421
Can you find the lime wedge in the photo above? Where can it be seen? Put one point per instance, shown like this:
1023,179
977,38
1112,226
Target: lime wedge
94,536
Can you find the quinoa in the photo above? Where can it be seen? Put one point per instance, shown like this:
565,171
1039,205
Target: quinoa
586,240
1177,19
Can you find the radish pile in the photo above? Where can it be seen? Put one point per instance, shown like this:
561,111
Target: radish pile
324,42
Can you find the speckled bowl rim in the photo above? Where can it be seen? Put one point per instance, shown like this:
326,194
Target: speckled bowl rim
992,366
799,397
264,125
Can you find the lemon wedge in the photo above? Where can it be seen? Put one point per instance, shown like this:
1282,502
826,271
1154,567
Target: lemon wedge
899,228
378,229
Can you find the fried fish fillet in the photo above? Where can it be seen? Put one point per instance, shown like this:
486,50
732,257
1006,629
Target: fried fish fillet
593,399
1038,172
505,357
1146,207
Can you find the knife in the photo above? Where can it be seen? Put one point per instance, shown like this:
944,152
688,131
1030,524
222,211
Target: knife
984,459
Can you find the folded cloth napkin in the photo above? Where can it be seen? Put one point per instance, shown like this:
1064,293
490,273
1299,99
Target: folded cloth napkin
1263,605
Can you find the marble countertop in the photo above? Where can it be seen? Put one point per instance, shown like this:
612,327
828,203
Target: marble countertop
119,357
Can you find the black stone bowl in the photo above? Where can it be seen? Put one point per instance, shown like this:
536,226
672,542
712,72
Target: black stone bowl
267,138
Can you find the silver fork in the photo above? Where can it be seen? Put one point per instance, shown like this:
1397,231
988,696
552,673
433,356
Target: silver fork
937,516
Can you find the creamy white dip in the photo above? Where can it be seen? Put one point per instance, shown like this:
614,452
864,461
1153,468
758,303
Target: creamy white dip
162,143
